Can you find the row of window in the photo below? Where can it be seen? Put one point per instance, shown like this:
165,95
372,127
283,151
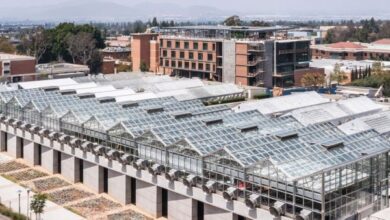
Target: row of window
187,65
186,45
181,55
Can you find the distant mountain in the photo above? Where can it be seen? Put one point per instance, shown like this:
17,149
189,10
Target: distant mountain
100,10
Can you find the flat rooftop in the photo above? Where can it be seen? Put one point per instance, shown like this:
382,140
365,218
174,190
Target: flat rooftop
229,28
6,56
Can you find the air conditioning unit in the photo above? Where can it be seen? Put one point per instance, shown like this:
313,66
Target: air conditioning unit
253,201
54,135
139,164
304,215
112,154
172,174
126,159
231,193
25,126
86,146
64,138
277,209
75,142
99,150
44,132
190,180
209,187
156,169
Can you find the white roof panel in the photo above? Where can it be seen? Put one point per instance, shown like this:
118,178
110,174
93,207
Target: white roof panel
95,89
115,93
136,97
179,84
282,104
47,83
379,122
79,86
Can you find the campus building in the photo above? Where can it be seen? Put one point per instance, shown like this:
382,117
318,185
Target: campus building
241,55
281,158
15,68
378,50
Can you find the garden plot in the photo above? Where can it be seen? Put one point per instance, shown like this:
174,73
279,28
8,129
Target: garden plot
67,195
47,184
97,206
25,175
11,166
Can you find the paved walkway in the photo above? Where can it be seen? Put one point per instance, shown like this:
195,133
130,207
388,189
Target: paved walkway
9,198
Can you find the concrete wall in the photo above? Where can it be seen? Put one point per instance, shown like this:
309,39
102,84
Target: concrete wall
181,207
70,168
93,176
229,61
149,198
30,152
13,148
49,159
119,186
214,213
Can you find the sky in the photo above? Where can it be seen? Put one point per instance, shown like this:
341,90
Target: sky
86,9
247,5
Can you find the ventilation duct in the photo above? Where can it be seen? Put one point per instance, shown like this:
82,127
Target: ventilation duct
253,201
231,193
139,164
209,187
277,209
156,169
172,175
304,215
190,180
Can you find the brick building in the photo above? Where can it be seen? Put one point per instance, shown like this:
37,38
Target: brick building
16,67
378,50
241,55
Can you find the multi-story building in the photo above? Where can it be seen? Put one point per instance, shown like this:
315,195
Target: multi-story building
14,68
241,55
378,50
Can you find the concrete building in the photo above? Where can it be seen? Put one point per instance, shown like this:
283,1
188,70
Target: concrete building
60,70
14,68
183,160
378,50
117,53
241,55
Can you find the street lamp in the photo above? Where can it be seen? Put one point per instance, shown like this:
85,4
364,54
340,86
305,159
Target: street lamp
28,202
19,192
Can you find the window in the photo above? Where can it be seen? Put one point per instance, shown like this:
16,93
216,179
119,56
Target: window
177,44
205,46
213,47
191,55
169,44
161,62
193,65
208,67
180,64
200,66
166,63
181,55
195,46
161,42
173,63
209,57
187,65
164,53
186,45
173,54
200,56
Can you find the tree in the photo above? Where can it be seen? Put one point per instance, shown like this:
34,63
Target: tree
256,23
144,67
154,22
81,46
338,75
39,43
38,204
6,46
233,21
313,80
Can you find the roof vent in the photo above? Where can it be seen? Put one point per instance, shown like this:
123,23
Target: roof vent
287,135
86,96
333,144
248,128
106,100
154,109
183,114
68,92
51,88
129,104
212,121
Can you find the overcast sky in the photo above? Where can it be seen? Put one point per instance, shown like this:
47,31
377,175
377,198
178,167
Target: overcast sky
248,5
